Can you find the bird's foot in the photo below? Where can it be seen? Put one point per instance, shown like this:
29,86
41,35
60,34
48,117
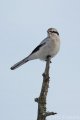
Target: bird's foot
48,57
50,61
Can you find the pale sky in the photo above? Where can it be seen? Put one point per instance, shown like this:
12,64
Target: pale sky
23,25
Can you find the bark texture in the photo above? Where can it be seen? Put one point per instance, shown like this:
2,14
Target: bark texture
41,100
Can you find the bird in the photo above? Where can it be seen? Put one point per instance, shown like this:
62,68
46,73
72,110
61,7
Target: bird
48,47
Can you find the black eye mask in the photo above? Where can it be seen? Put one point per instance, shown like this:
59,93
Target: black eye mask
54,32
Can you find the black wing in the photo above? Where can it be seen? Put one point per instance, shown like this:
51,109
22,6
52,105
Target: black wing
37,48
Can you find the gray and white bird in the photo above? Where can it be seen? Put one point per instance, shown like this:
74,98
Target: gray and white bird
48,47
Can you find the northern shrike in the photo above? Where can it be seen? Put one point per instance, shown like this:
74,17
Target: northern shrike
48,47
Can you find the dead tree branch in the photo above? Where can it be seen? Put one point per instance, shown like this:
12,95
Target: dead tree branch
41,100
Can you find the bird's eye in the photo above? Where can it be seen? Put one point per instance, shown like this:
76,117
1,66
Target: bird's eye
52,31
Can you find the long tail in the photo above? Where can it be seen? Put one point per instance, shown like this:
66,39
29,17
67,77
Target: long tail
19,63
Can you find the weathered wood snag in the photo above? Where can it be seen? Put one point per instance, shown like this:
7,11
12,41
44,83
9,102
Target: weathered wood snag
41,100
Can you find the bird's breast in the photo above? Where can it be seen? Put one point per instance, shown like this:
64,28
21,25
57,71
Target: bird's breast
54,46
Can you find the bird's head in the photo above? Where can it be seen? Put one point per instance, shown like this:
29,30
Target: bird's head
52,31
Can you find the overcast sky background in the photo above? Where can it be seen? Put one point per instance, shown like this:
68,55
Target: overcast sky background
23,24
